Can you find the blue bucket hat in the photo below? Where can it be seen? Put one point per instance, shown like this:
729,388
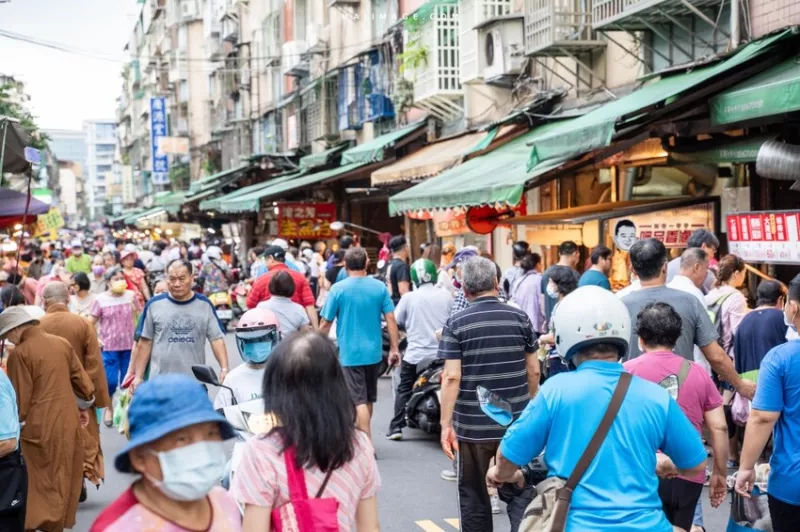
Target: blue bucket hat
163,405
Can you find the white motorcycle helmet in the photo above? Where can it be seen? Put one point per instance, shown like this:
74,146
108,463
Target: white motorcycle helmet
214,252
591,315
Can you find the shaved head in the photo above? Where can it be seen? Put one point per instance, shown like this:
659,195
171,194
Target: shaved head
55,292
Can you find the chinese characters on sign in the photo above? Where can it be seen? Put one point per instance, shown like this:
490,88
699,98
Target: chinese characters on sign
158,130
49,223
673,227
306,220
771,237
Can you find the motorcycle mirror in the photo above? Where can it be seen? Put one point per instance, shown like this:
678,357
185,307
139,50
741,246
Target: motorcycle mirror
205,374
494,406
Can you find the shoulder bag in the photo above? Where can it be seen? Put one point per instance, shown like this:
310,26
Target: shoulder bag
302,514
549,509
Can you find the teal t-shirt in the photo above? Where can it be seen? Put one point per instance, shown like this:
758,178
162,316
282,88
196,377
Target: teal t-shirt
357,303
594,278
342,275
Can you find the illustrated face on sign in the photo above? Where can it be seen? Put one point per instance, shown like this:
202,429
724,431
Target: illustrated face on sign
624,235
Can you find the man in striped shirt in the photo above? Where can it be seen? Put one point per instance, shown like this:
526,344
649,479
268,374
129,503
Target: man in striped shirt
488,344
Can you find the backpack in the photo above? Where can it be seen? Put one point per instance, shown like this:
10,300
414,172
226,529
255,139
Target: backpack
715,313
302,514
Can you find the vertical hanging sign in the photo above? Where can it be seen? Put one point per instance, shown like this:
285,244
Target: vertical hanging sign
158,130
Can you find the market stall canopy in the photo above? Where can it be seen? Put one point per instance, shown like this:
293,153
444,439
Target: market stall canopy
217,181
430,160
15,141
144,215
214,204
352,160
172,201
772,92
730,150
498,177
323,158
124,214
13,203
596,129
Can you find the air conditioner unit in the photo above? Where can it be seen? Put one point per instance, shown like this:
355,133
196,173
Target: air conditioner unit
317,36
501,50
294,60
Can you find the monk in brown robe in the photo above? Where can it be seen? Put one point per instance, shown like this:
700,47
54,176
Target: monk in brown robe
81,335
54,395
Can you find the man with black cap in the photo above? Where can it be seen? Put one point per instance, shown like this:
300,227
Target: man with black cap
276,261
398,276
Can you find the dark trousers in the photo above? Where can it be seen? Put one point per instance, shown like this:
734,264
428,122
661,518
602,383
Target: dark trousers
679,499
785,516
13,492
475,506
408,375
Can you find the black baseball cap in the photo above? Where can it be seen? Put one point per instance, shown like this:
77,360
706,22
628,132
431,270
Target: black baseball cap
276,252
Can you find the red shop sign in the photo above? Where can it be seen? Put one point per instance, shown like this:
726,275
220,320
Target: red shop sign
306,220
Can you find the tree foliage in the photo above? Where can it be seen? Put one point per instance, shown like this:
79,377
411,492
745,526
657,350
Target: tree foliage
26,120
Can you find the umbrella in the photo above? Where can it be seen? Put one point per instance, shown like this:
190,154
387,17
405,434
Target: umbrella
15,141
12,203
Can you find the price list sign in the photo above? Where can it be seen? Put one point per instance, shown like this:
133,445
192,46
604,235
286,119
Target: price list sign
770,237
306,220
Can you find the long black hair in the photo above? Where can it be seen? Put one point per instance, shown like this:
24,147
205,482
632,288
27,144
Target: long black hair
304,387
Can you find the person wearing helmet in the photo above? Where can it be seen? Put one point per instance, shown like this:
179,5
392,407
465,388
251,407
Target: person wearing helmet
257,334
593,331
421,312
518,251
214,272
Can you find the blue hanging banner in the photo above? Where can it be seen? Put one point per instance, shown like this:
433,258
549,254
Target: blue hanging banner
158,130
32,155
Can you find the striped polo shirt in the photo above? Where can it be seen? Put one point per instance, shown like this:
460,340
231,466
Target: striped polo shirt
491,339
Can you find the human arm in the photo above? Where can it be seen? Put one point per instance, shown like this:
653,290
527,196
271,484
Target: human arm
681,442
313,319
144,288
534,372
256,294
451,383
394,339
7,446
145,348
329,311
403,277
256,519
367,515
325,326
221,354
718,429
723,365
401,312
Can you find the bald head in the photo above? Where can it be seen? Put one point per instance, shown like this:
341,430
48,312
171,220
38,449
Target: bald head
694,265
55,292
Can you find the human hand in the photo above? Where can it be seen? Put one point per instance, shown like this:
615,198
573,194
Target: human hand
438,333
394,357
223,372
84,418
664,466
747,389
137,380
717,490
745,479
449,442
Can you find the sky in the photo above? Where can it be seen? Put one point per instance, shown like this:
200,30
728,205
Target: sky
66,89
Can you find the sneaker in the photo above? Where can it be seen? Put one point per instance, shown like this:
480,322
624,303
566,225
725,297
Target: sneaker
395,436
449,474
495,504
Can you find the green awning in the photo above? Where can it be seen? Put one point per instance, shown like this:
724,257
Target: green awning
496,177
374,150
315,160
217,179
251,202
213,204
124,214
172,198
743,150
596,129
772,92
154,211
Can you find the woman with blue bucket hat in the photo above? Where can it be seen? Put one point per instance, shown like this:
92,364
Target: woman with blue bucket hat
176,446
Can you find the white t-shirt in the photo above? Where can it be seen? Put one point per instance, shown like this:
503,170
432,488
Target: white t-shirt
246,383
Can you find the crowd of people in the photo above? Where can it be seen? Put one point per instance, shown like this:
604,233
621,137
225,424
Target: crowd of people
614,392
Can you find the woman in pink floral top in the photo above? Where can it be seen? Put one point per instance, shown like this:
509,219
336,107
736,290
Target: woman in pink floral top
114,313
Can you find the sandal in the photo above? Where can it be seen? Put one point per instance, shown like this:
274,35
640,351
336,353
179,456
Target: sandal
108,418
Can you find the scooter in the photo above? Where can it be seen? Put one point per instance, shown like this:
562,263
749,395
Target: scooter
248,418
423,410
224,306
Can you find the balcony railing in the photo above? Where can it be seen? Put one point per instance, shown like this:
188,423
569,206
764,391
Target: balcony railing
639,15
559,27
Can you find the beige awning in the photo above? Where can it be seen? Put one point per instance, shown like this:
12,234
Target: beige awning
428,161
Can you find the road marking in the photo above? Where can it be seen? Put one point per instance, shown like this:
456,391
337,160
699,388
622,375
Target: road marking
429,526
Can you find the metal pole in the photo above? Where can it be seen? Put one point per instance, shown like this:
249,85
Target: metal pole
735,32
3,149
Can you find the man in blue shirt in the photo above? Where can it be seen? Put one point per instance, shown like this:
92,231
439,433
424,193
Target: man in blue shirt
597,275
776,411
357,304
619,490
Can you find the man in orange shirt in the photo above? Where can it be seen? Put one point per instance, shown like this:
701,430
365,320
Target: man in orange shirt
276,261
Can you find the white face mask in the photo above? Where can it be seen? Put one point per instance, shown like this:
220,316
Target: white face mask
552,291
190,472
789,322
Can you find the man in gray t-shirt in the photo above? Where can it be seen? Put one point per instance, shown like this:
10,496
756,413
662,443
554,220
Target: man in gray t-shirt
696,326
649,262
174,327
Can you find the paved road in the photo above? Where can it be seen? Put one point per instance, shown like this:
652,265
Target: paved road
412,498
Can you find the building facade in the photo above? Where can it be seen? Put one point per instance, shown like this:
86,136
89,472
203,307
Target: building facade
101,141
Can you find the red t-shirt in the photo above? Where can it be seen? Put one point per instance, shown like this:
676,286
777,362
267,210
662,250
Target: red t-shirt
302,291
697,396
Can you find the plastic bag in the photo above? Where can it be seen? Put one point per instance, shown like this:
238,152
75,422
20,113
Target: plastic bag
749,515
121,414
740,409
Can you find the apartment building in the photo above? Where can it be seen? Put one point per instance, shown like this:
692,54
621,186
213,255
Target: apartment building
101,141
